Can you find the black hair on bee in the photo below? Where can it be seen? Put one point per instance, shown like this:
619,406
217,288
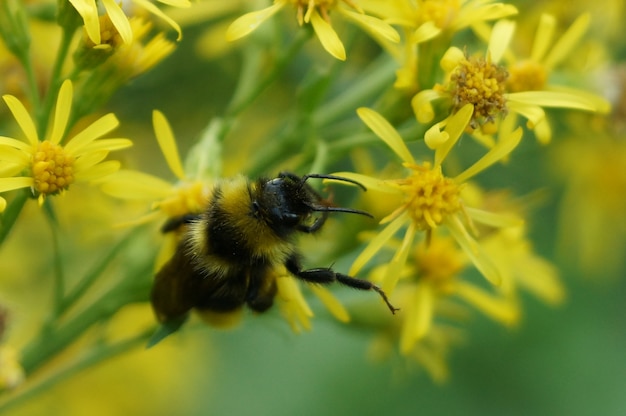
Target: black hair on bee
228,254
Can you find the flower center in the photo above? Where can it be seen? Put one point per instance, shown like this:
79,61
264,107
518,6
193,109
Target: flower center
188,198
429,196
441,12
527,76
108,33
439,261
52,168
479,82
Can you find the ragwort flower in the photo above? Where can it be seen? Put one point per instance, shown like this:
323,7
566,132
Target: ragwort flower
430,199
483,82
51,165
318,14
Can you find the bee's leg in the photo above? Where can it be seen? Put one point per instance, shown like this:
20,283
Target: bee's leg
175,223
317,224
327,275
261,291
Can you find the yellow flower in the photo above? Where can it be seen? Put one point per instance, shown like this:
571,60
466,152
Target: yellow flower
483,82
317,13
592,225
88,9
430,199
53,164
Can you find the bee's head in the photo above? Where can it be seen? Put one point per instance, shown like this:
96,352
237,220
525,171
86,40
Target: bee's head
287,201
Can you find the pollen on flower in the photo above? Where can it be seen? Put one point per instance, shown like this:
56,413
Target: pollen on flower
527,76
441,12
430,197
52,168
439,261
480,82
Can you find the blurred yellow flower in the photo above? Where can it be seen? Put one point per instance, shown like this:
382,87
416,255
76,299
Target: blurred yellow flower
430,199
11,373
483,82
52,165
317,13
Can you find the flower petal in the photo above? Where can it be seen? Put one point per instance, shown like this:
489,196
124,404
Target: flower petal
368,182
86,137
327,36
502,148
18,144
108,144
455,126
567,41
157,12
62,111
88,160
500,309
88,10
543,37
422,105
377,243
394,269
331,303
478,256
500,38
494,219
249,22
133,185
371,24
425,32
9,184
119,20
23,118
557,99
167,143
16,156
385,131
98,171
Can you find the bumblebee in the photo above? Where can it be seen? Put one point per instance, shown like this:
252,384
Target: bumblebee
227,256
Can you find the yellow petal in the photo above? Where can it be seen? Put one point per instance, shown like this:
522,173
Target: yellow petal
16,156
451,58
368,182
425,32
533,113
425,305
157,12
394,269
543,37
478,256
409,324
455,126
498,152
167,143
86,137
176,3
3,204
18,144
108,144
556,99
119,20
500,38
327,36
62,111
9,184
475,13
422,105
434,137
88,160
377,243
568,41
23,118
385,131
249,22
88,10
493,219
135,185
373,24
499,309
99,171
331,303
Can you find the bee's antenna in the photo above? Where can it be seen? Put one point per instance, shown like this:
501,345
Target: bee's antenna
333,177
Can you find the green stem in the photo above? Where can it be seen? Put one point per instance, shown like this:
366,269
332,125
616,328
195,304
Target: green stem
95,356
11,213
53,340
59,275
